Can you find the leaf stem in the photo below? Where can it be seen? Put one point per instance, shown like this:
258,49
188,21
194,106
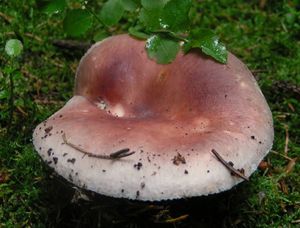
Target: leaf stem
97,18
172,34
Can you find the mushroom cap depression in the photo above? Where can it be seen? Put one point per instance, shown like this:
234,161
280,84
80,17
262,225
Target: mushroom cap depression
172,116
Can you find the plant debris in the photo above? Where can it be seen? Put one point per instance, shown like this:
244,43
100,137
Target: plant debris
229,166
178,159
113,156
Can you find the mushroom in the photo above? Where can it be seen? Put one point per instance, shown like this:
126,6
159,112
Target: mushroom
140,130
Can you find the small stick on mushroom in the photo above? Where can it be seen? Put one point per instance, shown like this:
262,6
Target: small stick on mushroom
113,156
228,166
121,153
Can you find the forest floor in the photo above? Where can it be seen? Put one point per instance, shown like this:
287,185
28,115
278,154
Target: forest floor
264,34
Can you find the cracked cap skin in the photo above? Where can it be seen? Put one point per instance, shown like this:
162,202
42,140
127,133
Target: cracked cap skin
172,116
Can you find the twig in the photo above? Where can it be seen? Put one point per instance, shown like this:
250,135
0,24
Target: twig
71,44
96,16
291,165
172,34
297,221
55,63
291,107
180,218
288,88
282,155
228,166
21,111
6,18
37,38
113,156
48,102
286,145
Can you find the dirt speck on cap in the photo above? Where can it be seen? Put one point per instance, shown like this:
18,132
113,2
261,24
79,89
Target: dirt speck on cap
55,159
48,129
138,166
49,151
178,159
71,160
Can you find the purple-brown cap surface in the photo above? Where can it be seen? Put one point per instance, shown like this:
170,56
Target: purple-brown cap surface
171,116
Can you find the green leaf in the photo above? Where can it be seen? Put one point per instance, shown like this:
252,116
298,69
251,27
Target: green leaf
151,14
151,18
216,50
175,16
130,5
208,42
111,12
77,22
170,15
13,47
161,49
153,4
137,33
100,35
54,6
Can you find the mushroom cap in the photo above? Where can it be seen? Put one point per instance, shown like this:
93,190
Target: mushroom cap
172,116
